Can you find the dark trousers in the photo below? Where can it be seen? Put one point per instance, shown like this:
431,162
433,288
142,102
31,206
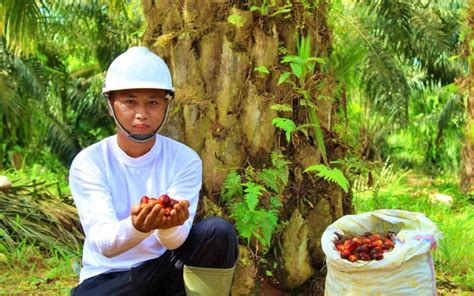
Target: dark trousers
211,243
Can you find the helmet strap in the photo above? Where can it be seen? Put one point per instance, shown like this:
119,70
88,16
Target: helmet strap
138,138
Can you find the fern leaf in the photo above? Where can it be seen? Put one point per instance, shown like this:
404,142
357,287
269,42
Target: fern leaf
231,187
267,222
285,124
242,218
275,202
270,179
252,195
332,175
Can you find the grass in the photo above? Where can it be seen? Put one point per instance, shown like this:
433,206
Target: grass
30,271
411,192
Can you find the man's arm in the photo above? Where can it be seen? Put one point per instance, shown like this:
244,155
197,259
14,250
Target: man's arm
185,186
108,235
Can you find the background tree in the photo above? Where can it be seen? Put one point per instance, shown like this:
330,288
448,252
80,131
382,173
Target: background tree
401,94
54,54
467,154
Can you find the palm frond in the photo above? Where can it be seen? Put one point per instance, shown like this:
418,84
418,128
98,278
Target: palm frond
62,141
386,84
30,212
450,109
21,23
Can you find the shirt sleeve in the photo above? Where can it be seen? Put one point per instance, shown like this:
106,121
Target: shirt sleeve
185,185
108,235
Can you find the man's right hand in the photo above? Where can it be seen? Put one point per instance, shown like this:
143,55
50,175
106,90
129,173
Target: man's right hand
152,216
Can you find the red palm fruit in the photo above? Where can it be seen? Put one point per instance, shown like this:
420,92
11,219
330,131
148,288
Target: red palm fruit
350,245
362,249
366,241
375,237
340,247
345,254
389,242
165,200
387,247
173,202
144,201
377,243
364,256
353,258
376,250
357,240
377,256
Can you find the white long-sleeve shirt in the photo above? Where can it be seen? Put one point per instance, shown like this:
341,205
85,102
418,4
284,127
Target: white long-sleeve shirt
105,182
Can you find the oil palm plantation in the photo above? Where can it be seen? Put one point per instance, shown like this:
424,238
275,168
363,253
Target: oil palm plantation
53,55
404,82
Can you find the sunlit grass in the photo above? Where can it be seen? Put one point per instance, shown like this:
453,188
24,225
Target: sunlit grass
32,271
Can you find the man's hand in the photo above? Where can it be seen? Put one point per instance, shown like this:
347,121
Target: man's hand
152,216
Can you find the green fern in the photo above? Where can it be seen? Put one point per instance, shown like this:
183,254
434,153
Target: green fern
252,194
287,125
267,222
275,178
332,175
231,187
254,219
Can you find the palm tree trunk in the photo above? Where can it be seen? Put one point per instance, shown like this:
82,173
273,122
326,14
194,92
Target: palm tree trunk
222,107
467,153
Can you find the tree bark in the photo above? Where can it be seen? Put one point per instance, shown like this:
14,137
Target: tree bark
222,105
467,153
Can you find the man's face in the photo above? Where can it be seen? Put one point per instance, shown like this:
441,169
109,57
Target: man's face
140,111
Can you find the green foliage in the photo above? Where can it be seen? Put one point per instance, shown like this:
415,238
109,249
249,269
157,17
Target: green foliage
54,54
272,9
262,70
302,67
399,96
236,20
231,187
332,175
286,125
254,203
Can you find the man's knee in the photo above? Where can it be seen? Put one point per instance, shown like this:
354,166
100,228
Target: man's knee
219,230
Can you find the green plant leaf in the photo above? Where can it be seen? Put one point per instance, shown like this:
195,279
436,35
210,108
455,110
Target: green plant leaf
317,60
297,69
283,77
252,195
236,20
332,175
293,59
285,124
231,187
262,69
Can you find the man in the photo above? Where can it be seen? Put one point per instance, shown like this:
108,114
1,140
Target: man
134,250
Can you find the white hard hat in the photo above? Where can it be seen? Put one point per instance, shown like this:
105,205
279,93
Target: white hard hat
138,67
